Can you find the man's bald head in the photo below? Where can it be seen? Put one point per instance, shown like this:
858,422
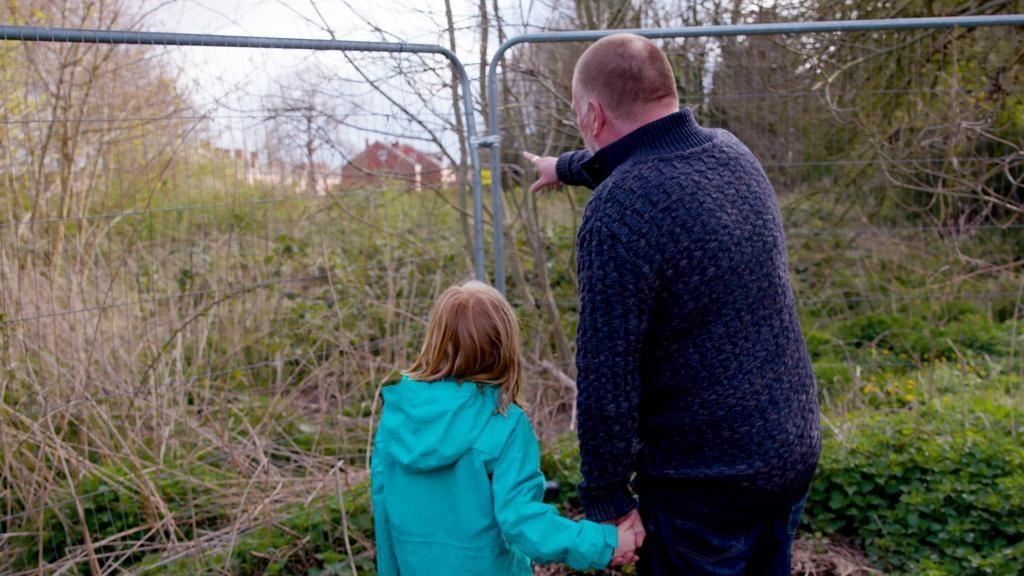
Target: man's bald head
627,74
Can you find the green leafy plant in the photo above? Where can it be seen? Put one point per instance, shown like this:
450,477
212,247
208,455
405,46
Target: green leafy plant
935,491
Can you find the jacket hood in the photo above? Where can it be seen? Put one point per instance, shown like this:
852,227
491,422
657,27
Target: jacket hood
429,425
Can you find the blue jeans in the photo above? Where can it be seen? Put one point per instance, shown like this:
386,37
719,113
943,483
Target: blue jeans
698,539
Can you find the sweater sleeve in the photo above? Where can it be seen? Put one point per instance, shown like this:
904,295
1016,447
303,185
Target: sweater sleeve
387,564
569,169
615,305
532,527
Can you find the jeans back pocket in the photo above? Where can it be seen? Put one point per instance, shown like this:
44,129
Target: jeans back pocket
706,544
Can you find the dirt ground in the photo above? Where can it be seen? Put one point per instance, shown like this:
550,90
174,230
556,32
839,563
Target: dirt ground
830,558
810,558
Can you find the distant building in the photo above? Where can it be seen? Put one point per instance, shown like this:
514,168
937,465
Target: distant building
380,164
396,164
247,164
319,179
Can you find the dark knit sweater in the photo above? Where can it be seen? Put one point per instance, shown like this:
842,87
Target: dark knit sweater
692,369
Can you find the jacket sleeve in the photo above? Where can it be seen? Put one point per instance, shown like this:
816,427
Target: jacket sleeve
568,168
532,527
387,565
615,308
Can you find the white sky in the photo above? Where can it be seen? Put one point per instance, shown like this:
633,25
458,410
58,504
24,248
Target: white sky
213,73
408,21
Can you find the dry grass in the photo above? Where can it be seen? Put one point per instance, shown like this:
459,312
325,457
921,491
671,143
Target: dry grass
231,363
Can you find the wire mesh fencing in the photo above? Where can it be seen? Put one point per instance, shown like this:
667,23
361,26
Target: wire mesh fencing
897,159
210,260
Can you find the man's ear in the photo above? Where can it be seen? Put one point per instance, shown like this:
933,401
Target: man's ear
598,119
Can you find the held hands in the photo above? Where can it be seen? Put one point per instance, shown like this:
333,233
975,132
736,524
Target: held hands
631,536
547,174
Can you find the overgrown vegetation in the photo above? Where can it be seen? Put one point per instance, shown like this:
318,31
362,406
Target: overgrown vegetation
191,352
934,488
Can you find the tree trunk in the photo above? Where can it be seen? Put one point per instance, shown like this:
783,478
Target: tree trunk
460,130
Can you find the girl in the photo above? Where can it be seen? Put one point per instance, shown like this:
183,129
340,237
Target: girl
457,487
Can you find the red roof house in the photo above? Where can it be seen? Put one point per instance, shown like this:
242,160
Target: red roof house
396,164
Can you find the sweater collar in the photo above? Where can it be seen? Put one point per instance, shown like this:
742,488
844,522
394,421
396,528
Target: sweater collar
673,133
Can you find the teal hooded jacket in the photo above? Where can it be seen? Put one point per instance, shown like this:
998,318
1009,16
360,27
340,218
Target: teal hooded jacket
457,489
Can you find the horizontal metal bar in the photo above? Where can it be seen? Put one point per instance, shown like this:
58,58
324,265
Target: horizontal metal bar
74,35
773,28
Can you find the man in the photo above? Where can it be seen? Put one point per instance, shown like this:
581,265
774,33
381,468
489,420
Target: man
695,386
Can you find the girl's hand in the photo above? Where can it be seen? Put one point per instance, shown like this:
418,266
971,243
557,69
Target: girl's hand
631,533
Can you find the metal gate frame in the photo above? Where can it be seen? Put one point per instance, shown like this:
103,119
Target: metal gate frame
73,35
493,139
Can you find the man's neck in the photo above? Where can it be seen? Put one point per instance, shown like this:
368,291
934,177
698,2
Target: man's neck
620,129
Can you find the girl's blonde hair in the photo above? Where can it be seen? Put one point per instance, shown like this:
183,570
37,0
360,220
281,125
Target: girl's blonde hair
472,335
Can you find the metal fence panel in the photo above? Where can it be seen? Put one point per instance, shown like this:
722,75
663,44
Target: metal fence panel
716,32
203,280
